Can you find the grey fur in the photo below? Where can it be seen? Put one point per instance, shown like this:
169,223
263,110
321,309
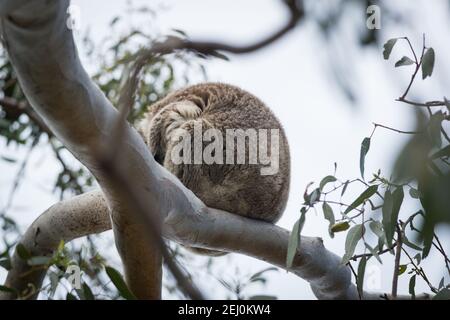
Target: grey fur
240,189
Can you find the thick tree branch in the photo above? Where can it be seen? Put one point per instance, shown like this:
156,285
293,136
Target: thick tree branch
43,53
208,228
67,220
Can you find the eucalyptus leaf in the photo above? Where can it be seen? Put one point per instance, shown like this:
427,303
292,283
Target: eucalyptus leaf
294,240
404,61
402,268
326,180
360,277
412,286
388,46
428,63
351,241
390,210
370,191
340,226
119,283
365,146
328,215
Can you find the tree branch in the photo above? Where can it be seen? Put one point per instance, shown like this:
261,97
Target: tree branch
205,227
43,53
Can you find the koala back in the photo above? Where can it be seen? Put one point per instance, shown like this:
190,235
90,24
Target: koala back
237,188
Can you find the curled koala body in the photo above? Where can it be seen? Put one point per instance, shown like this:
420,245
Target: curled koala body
240,188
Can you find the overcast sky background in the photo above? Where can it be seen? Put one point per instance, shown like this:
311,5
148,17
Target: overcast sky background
292,77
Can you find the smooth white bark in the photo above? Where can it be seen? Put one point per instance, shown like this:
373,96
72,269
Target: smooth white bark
43,53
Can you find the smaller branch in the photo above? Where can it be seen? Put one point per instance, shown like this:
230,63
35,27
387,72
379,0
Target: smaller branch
419,271
412,50
428,104
368,255
440,248
397,263
396,130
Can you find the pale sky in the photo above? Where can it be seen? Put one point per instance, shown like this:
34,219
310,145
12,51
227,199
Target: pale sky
292,78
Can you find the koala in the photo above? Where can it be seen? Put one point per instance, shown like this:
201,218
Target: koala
237,187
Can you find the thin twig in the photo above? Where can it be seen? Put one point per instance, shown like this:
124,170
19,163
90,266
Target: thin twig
396,130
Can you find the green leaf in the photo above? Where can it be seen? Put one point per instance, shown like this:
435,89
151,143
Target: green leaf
365,146
404,61
388,46
412,286
119,283
418,258
294,240
262,297
23,252
340,226
345,187
353,237
434,128
360,278
402,268
70,296
441,283
428,63
370,191
326,180
260,273
8,159
87,292
391,208
444,294
315,195
329,215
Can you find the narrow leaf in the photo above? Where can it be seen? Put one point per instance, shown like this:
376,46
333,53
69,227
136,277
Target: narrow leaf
404,61
370,191
119,283
412,286
340,226
428,63
388,46
294,240
353,237
365,146
345,187
391,208
329,215
326,180
360,278
401,269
